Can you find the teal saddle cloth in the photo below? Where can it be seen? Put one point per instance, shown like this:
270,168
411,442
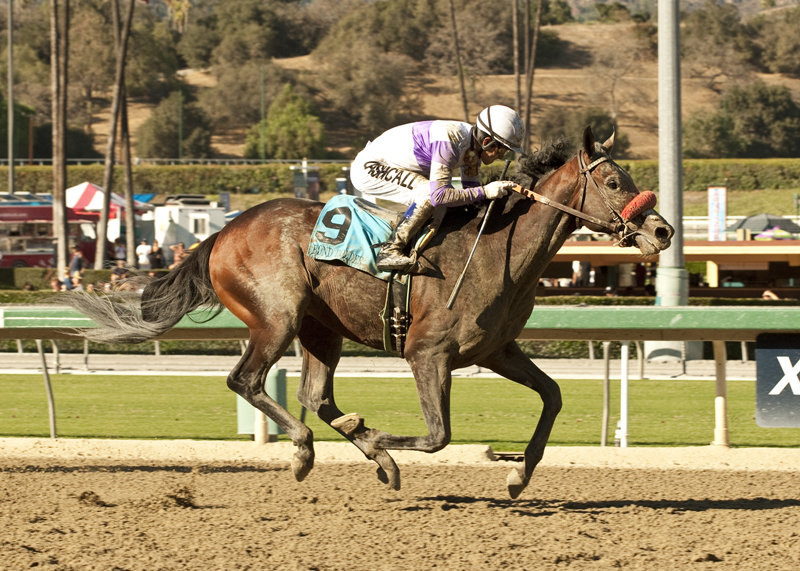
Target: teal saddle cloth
351,230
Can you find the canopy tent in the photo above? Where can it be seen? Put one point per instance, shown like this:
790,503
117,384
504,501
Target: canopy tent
761,222
774,233
87,197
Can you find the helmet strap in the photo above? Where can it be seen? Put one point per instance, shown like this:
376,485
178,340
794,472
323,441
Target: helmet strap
478,140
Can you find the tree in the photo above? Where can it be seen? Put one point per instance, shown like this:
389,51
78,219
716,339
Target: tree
368,85
199,36
612,12
485,45
291,130
777,38
406,27
235,100
158,136
756,120
556,12
59,54
91,61
153,61
715,45
610,67
121,34
570,123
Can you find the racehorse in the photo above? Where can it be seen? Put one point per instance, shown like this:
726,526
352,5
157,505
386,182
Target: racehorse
257,267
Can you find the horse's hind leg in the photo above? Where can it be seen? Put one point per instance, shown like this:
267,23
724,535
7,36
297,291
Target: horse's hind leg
321,351
247,380
511,363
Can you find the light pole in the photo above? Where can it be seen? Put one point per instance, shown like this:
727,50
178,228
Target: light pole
672,279
10,102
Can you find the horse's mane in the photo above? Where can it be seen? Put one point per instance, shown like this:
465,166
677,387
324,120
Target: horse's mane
538,164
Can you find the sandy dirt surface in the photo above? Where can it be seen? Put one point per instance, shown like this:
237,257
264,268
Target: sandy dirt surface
86,504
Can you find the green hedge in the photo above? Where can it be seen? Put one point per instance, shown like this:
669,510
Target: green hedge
735,174
276,179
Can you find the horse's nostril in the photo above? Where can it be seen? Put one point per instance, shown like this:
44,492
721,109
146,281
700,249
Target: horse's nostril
663,233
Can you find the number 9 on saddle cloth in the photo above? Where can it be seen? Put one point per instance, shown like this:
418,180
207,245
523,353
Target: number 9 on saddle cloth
351,230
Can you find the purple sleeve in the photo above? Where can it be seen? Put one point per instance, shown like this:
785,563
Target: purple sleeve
444,159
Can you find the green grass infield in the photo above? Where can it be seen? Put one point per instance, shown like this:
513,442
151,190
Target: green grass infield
495,412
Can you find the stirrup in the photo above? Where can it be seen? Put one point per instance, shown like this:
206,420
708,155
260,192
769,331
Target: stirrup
390,263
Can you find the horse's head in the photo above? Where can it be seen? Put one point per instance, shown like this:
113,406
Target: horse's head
611,198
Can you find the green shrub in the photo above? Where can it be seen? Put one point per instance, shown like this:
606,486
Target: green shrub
275,179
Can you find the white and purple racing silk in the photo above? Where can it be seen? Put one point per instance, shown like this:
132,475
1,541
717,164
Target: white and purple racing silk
436,150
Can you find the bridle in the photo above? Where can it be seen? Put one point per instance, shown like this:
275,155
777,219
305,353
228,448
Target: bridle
621,227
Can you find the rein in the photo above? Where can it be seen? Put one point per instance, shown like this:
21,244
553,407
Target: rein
622,227
557,205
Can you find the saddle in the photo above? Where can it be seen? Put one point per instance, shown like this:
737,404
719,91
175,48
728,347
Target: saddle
351,230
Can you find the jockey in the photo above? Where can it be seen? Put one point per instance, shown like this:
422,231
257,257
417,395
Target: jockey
414,164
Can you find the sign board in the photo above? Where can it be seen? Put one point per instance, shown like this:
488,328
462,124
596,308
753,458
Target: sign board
717,212
778,380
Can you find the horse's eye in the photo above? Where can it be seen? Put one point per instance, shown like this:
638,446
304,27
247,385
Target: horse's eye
612,184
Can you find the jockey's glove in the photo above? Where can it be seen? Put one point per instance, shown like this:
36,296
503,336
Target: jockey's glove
497,189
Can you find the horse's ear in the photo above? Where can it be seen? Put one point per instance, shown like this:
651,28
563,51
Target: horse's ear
588,141
609,144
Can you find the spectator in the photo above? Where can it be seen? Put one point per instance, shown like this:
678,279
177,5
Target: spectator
178,254
55,284
77,263
120,272
29,287
156,256
120,251
66,283
77,282
143,255
769,294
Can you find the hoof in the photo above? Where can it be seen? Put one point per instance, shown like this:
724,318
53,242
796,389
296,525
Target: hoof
393,482
516,483
302,462
348,424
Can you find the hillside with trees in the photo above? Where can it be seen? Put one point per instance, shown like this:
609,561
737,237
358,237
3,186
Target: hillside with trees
287,79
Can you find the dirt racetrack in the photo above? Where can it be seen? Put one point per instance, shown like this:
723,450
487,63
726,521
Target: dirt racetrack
69,505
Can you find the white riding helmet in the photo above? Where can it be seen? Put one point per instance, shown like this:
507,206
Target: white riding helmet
503,125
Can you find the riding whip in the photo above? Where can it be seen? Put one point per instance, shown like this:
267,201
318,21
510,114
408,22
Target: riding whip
460,280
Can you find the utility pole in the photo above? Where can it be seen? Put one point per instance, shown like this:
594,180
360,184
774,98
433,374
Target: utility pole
458,62
672,279
10,102
515,51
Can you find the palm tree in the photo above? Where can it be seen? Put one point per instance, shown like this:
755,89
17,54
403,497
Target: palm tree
59,57
121,44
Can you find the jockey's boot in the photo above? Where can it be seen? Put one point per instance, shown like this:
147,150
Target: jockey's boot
392,256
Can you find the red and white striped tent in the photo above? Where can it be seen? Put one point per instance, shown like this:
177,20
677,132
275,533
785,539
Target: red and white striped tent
87,197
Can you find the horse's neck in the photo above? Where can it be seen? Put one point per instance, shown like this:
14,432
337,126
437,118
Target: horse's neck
543,230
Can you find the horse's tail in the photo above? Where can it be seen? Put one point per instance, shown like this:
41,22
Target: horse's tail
124,317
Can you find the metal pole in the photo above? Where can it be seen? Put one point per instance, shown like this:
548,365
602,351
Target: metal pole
672,279
262,146
51,404
606,394
180,124
276,389
623,395
10,102
721,437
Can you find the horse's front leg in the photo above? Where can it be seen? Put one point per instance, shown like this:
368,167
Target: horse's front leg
433,380
511,363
